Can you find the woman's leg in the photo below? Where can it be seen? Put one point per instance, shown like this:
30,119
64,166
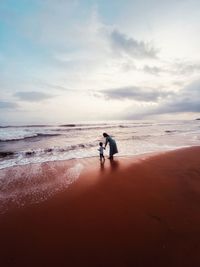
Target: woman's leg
111,153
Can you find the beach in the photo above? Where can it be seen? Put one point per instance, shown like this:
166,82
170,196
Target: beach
132,211
20,145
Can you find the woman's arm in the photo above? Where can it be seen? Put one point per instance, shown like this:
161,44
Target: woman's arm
106,142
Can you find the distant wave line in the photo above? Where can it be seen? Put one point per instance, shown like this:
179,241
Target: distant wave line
28,137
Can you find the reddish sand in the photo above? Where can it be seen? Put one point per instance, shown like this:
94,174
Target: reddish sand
123,213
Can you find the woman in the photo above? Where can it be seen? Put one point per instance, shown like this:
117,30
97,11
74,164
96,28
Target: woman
112,144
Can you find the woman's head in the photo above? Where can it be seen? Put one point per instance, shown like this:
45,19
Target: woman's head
105,135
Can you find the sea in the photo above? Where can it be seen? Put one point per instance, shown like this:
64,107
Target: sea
20,145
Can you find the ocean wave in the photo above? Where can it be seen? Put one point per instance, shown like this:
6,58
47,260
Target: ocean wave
26,126
173,131
100,127
49,126
45,151
31,136
141,137
68,125
11,135
6,154
63,149
82,124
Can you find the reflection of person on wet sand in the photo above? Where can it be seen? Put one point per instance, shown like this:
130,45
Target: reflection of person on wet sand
102,167
114,165
112,144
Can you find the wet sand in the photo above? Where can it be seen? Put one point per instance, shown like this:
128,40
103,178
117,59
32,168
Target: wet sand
128,212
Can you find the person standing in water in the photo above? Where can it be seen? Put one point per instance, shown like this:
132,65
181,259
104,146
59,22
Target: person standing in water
112,145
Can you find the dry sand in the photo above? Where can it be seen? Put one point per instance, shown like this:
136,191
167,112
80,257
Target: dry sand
128,212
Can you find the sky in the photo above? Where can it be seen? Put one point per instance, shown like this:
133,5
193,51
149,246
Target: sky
87,60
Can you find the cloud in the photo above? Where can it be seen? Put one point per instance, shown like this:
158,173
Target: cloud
71,48
176,68
47,85
186,68
182,105
134,93
187,100
123,44
32,96
184,101
8,105
152,70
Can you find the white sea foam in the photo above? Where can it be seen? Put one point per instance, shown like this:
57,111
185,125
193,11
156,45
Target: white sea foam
81,140
73,173
34,183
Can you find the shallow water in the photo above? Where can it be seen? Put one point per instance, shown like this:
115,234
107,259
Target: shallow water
34,183
32,144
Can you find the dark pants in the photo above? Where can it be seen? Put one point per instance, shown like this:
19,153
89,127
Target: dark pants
101,156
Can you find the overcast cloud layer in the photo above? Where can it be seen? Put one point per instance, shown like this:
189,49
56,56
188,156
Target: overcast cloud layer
67,61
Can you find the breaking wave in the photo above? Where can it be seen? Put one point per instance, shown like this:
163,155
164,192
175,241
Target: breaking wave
31,136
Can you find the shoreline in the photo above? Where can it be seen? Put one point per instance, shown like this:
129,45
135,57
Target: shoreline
93,157
140,211
54,177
